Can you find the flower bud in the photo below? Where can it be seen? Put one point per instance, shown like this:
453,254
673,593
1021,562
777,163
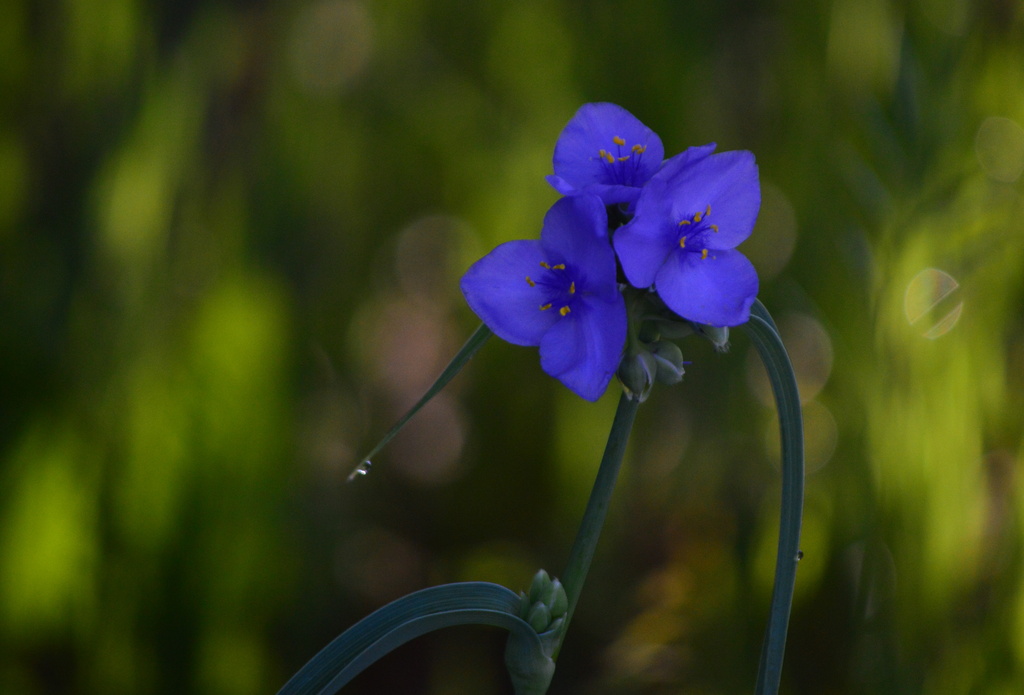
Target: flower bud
539,617
718,335
559,604
540,587
546,602
669,359
637,373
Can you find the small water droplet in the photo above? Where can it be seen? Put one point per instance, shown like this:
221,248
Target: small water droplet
799,555
362,469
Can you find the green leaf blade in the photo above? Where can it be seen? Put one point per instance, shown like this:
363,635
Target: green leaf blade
403,620
470,348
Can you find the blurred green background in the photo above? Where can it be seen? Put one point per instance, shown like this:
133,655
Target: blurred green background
230,240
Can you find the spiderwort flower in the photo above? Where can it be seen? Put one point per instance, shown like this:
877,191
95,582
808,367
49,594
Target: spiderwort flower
558,292
606,151
682,241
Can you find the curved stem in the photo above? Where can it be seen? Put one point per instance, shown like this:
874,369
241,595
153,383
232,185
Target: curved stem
762,331
597,508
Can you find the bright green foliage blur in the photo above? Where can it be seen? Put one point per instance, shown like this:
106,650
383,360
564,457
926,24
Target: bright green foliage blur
230,241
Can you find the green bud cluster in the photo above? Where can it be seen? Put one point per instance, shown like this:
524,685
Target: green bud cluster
544,608
652,355
650,358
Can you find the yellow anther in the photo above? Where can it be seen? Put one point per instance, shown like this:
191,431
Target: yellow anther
545,307
618,141
560,266
639,149
530,282
708,211
698,217
682,243
564,310
622,159
703,254
572,288
714,228
545,265
609,158
684,222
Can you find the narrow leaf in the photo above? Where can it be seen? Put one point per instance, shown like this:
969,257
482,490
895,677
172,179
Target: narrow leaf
403,620
475,342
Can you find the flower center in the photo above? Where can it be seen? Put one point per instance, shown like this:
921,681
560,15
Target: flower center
557,287
621,162
694,231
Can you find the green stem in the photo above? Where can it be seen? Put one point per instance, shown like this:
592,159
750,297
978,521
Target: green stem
765,337
597,508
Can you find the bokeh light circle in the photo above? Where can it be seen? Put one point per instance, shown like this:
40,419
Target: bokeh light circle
999,145
931,302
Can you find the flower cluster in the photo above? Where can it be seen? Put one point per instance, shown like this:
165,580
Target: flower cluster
592,298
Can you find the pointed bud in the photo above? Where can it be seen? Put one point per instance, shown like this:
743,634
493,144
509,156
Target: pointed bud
540,587
718,335
637,373
539,617
669,359
559,604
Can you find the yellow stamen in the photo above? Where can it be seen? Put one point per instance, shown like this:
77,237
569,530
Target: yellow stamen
639,149
708,211
545,265
703,254
564,310
698,217
530,282
545,307
714,228
684,222
682,243
622,159
618,141
572,288
560,266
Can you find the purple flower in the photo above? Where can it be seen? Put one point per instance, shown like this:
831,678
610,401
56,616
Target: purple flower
606,151
689,219
558,292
